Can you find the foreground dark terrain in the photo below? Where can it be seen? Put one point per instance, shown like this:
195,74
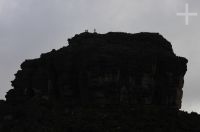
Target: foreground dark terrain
44,117
101,82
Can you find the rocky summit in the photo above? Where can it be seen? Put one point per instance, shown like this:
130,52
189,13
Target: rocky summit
100,82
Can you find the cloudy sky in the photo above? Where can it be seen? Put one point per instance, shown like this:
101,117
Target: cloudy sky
31,27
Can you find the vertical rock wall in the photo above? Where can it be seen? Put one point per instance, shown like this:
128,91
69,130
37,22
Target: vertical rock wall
112,68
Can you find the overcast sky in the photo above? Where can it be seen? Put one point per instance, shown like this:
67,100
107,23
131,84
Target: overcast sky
31,27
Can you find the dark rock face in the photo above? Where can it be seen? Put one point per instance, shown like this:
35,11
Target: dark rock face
105,69
112,82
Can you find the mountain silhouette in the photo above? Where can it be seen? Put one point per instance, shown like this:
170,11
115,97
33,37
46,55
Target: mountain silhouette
101,82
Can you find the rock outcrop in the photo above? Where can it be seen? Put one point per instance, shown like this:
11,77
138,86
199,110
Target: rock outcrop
111,82
105,69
